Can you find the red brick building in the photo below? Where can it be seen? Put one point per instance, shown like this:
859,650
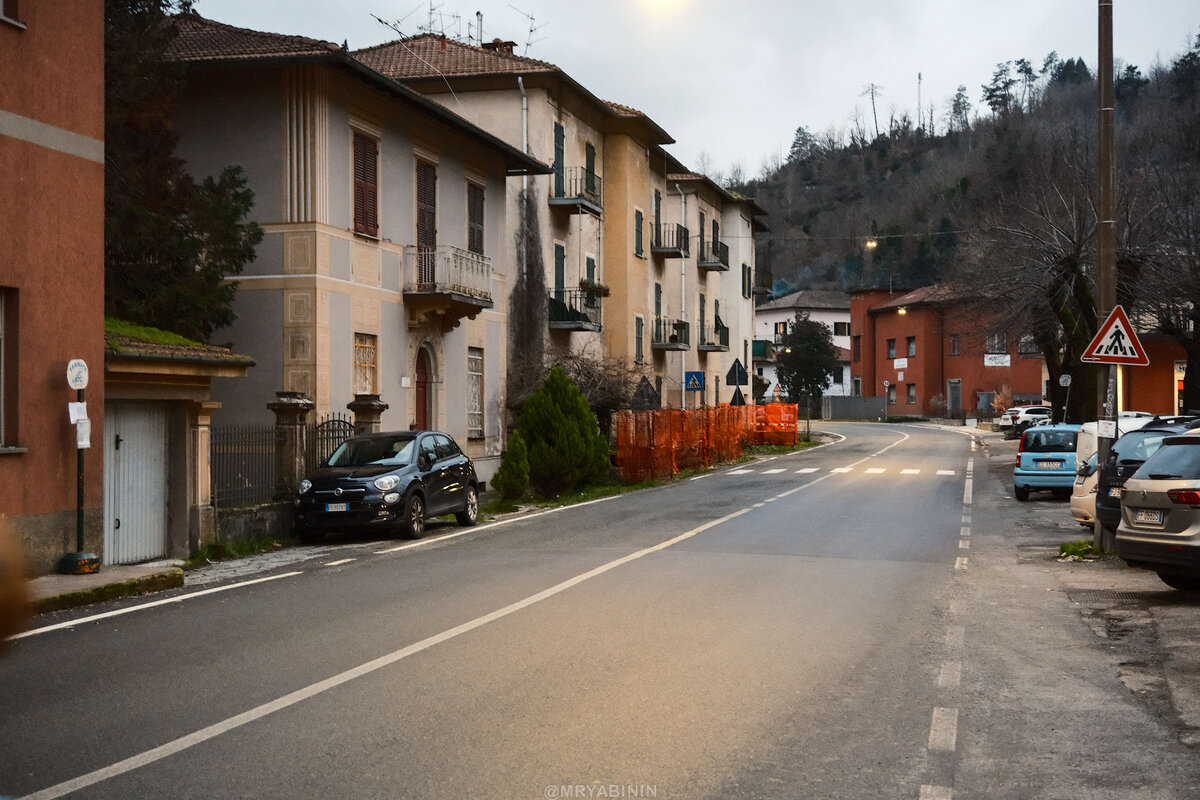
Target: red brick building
926,351
52,267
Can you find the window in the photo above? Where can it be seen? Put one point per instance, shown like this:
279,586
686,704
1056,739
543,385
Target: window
703,318
912,393
911,343
891,395
589,174
997,343
474,392
639,340
475,218
841,329
856,387
366,352
1028,346
559,144
657,300
780,332
637,232
702,234
427,222
954,344
8,363
591,299
716,234
747,289
560,272
366,185
856,342
891,348
837,375
8,12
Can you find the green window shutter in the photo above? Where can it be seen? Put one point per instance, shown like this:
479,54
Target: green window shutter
637,232
560,271
560,138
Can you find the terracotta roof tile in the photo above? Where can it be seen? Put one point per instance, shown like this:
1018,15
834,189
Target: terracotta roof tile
623,111
203,39
430,55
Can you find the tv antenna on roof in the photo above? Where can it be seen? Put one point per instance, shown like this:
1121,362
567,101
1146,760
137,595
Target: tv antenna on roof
533,28
440,25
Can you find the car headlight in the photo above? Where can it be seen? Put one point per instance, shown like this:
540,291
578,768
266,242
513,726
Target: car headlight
305,485
386,483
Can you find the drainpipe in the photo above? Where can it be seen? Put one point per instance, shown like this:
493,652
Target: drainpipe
683,300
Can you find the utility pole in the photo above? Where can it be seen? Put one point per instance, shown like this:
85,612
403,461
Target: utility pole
1106,405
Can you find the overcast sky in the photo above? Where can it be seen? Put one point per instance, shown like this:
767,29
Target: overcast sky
734,78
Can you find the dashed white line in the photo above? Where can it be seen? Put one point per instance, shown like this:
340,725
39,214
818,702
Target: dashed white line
964,544
806,471
773,471
950,675
910,472
339,562
964,531
955,635
943,732
741,472
945,472
936,793
960,563
876,471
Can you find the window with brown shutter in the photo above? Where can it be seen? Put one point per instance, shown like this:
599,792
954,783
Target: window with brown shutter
475,218
366,185
427,222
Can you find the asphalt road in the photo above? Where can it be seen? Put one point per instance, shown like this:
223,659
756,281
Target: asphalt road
806,626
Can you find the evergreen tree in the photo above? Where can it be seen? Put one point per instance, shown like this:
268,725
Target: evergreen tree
806,359
566,449
512,479
169,243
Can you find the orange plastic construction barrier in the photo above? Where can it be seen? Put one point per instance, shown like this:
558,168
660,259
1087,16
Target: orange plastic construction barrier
658,444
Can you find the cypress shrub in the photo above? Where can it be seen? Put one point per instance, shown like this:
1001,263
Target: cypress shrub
512,479
566,449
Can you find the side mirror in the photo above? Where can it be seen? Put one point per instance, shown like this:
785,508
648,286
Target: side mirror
424,462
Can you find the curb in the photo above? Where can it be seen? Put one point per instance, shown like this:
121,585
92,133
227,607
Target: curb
171,578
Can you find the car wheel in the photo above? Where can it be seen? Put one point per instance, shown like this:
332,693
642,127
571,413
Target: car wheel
1180,581
414,517
470,513
1021,493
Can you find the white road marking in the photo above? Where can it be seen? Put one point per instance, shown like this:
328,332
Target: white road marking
936,793
806,471
876,471
950,675
773,471
967,492
700,477
340,562
286,701
843,469
153,604
945,472
943,732
910,472
964,544
741,472
964,531
955,635
960,563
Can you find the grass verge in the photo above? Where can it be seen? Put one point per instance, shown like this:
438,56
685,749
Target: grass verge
225,552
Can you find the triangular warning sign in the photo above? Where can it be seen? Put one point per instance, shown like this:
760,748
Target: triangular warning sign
1116,343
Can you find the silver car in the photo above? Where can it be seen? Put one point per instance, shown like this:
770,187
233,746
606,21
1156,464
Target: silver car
1160,513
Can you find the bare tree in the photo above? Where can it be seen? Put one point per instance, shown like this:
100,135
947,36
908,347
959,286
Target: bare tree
873,90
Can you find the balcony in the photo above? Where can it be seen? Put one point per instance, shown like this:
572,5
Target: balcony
670,241
714,257
713,338
445,283
762,282
574,310
670,334
580,189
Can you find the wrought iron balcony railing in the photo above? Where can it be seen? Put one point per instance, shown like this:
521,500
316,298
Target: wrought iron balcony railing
670,334
578,187
574,310
714,256
713,337
671,240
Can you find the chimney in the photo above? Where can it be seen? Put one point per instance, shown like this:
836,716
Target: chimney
500,46
443,42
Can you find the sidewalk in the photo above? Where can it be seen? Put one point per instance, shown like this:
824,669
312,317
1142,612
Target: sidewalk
57,592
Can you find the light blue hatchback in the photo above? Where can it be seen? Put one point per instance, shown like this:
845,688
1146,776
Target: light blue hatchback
1046,460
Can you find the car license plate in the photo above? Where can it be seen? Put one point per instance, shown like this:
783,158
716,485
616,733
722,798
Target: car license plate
1049,465
1114,491
1151,515
329,507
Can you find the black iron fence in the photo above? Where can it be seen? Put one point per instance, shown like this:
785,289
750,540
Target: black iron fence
323,437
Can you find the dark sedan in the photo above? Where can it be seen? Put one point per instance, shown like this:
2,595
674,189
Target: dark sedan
1128,453
388,481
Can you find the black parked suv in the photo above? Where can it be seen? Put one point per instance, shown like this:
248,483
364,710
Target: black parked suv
1128,453
388,481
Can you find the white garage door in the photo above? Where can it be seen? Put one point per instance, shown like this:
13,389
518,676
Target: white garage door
135,482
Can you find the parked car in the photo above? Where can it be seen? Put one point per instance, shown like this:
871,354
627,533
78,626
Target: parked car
1045,460
1083,495
1160,513
388,481
1128,452
1023,415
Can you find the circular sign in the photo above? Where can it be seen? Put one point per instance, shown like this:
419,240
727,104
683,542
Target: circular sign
77,373
1064,380
886,384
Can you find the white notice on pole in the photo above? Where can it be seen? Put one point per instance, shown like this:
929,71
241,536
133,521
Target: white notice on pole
77,411
83,434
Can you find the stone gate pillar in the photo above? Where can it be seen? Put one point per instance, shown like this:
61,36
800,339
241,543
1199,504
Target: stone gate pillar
367,410
290,409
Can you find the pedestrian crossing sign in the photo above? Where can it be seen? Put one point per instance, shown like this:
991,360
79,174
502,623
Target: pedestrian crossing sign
1116,343
694,381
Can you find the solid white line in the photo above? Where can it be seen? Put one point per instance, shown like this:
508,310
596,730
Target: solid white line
943,732
307,692
936,793
950,675
142,607
340,562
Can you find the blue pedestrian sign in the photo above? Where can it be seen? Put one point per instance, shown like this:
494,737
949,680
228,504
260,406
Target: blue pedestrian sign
693,381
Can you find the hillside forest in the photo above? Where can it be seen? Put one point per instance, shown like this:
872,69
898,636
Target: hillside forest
999,201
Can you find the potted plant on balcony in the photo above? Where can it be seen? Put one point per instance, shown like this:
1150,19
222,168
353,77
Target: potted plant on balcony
592,289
